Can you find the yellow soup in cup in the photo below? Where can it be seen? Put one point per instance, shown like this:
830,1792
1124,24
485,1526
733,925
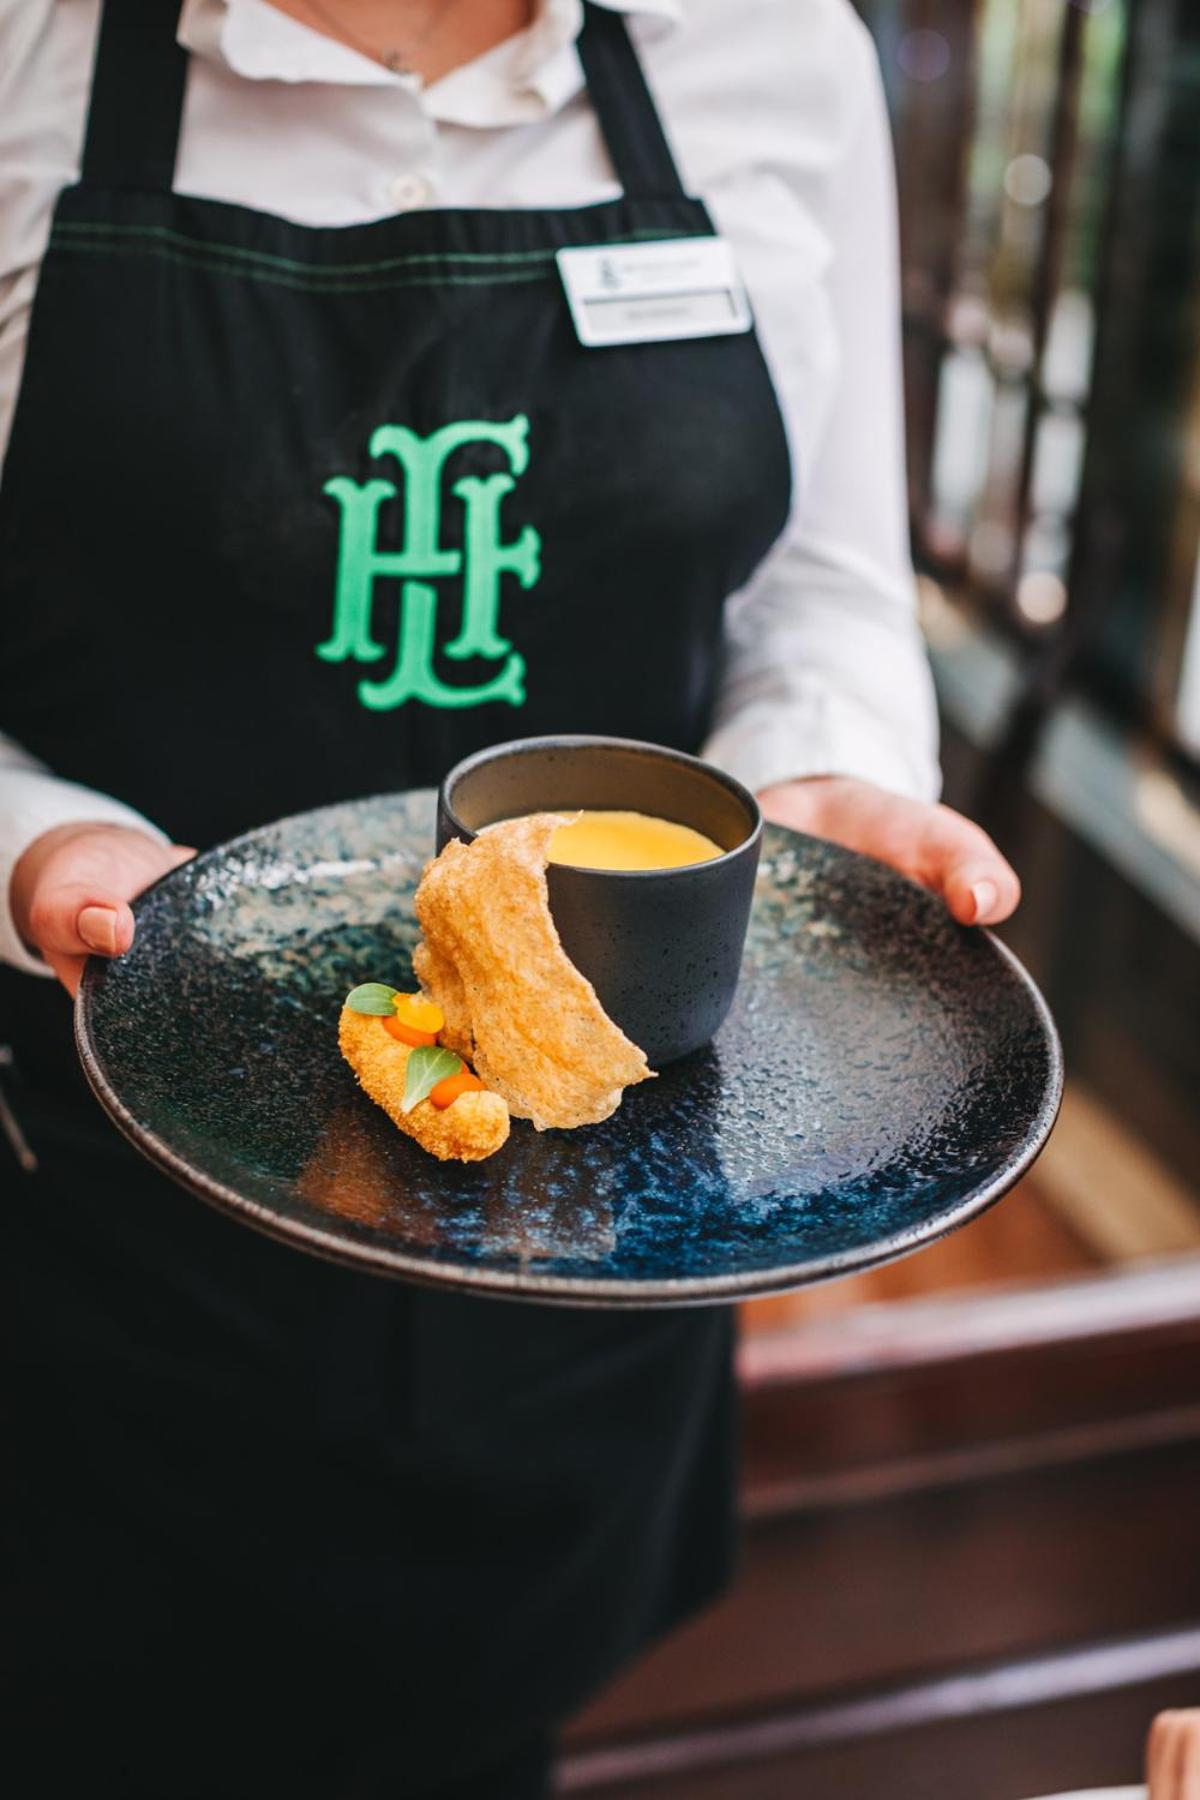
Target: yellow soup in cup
629,840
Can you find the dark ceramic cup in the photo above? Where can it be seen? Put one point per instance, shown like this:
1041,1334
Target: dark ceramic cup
661,947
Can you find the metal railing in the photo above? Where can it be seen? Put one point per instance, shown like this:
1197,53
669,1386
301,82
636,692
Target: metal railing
1049,172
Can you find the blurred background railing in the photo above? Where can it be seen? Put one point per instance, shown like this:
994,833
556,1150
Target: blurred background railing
1049,173
1048,156
970,1481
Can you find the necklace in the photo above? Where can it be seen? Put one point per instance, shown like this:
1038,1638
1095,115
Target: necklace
399,57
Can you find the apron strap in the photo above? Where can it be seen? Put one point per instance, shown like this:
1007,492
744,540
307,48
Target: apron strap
625,108
137,97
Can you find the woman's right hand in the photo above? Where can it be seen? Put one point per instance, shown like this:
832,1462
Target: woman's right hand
70,891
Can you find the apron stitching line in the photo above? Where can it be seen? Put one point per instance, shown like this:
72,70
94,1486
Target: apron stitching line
164,234
215,266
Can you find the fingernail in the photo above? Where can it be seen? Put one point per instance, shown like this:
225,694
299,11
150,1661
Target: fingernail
985,894
97,926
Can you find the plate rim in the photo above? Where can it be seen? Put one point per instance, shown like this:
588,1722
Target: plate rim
582,1291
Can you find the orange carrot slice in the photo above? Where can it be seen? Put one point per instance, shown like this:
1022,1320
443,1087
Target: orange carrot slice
404,1034
446,1092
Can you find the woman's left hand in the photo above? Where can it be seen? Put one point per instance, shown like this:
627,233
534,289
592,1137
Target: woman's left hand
932,844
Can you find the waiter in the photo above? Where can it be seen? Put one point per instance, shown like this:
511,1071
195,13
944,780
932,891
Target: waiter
312,488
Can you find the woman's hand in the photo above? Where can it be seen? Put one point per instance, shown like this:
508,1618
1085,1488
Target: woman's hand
932,844
71,889
1173,1756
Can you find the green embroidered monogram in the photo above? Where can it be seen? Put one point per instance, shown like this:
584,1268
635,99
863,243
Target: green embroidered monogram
424,559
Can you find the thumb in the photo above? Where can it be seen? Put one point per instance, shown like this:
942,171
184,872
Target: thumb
961,863
83,918
981,891
75,918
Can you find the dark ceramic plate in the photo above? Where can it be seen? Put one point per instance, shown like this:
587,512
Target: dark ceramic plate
883,1077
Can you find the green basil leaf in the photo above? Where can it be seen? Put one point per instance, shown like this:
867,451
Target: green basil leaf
372,997
427,1065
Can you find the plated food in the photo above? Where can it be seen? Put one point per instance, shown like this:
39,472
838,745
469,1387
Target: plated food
505,1024
883,1075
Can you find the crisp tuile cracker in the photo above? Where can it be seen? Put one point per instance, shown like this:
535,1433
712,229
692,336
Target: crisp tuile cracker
472,1127
493,961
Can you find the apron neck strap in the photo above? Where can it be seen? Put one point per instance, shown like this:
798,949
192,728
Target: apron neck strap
623,104
140,70
137,96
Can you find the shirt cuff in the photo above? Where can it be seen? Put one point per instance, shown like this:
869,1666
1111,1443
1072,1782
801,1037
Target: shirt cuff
31,803
765,742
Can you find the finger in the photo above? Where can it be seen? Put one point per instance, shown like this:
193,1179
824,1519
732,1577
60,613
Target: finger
103,924
1168,1752
961,863
108,929
69,969
1189,1787
1176,1770
76,919
981,891
1158,1750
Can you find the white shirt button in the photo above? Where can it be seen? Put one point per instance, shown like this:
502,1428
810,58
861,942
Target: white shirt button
409,192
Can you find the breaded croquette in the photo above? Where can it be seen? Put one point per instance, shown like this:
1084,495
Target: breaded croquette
473,1127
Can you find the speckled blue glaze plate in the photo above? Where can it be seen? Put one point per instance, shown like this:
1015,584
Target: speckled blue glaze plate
883,1077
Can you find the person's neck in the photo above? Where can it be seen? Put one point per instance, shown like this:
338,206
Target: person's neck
427,38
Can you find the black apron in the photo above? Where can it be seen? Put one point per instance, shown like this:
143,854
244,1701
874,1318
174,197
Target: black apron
293,514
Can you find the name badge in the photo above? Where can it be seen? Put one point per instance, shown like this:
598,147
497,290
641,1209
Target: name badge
651,293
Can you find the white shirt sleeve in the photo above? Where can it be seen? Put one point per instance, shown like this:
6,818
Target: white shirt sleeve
825,672
32,801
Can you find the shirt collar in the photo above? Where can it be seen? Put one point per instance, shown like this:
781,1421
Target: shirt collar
525,78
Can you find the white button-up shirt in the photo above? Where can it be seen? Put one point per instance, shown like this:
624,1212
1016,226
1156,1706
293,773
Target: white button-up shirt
776,114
